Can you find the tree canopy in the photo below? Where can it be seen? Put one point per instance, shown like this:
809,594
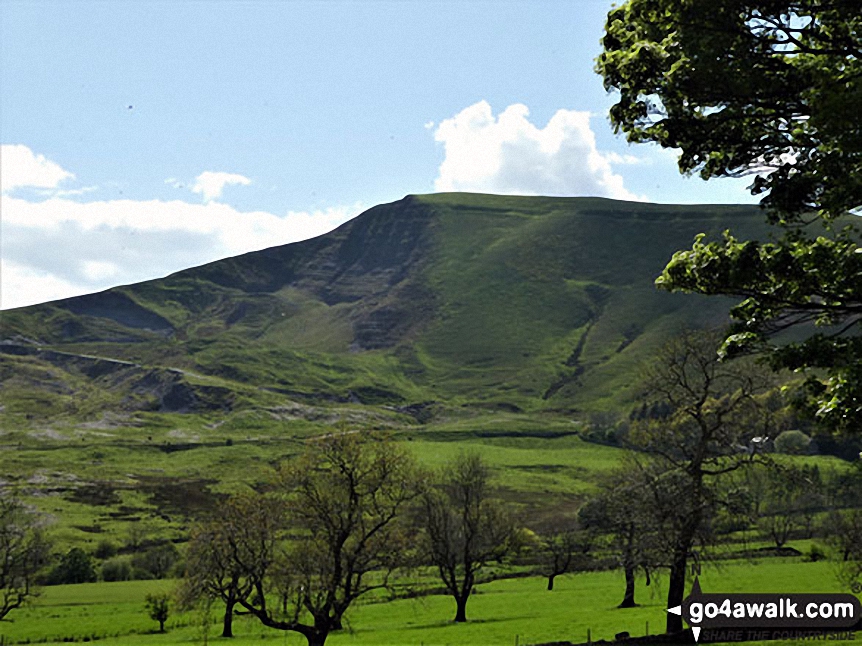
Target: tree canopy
771,89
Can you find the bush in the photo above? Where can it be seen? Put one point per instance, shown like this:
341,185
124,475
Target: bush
117,569
75,567
156,562
793,443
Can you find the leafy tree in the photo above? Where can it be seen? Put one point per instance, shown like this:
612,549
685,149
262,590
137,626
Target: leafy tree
118,568
772,89
157,561
706,435
158,608
465,528
23,554
76,566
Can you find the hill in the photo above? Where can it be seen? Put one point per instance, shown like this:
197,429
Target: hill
446,300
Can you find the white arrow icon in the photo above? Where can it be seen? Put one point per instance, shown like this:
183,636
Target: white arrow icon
676,610
696,632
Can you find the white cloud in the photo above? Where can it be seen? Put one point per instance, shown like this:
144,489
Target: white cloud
57,248
20,168
211,184
22,285
509,154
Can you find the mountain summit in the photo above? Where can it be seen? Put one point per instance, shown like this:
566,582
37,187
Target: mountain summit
522,303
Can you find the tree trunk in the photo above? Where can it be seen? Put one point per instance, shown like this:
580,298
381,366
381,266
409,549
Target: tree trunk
227,630
161,625
551,578
629,598
316,637
676,590
461,613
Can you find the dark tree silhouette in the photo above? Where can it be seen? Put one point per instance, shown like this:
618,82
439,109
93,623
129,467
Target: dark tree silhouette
465,527
706,435
23,554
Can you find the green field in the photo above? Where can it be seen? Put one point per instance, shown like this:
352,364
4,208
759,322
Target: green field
500,613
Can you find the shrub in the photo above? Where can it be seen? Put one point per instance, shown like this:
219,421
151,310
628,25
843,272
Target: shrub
792,442
117,569
156,561
76,566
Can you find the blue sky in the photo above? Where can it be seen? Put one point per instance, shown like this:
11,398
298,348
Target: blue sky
139,138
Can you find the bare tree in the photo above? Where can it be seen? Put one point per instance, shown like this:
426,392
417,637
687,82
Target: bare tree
705,434
331,532
793,498
23,554
844,529
228,553
565,551
625,512
465,528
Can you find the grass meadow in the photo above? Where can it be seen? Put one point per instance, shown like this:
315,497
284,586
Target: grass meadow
504,612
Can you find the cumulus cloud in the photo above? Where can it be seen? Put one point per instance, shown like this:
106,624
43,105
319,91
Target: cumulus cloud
211,184
509,154
20,167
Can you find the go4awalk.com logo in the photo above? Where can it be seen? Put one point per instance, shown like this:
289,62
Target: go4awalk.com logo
721,617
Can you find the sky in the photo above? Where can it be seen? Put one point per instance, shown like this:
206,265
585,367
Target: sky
139,138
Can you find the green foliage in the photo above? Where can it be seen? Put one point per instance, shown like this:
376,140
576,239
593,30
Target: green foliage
504,303
156,562
116,569
76,566
158,608
740,87
792,442
770,89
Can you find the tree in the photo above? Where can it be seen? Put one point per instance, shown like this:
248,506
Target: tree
334,530
231,552
792,442
23,554
465,528
565,551
785,503
624,511
76,566
706,435
845,534
771,89
158,608
157,561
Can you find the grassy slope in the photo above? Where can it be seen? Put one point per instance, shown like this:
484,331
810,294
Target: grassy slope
535,303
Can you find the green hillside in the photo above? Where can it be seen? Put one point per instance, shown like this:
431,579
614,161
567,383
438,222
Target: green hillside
511,303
